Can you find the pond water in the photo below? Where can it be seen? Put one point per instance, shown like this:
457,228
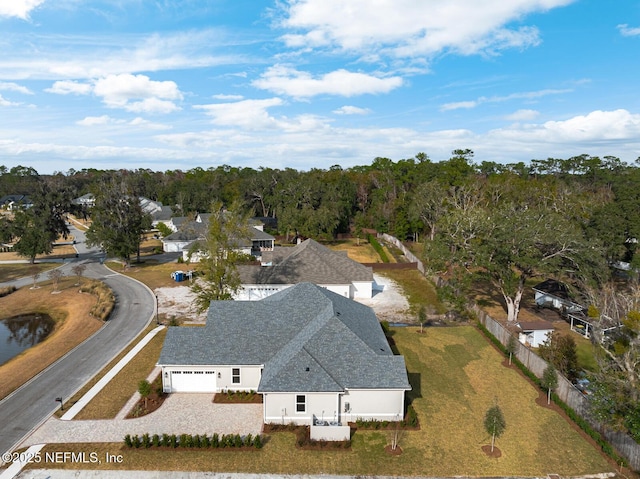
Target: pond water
22,332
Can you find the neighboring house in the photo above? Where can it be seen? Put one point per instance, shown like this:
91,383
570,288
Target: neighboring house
155,209
534,333
13,202
310,262
311,354
158,212
87,200
189,233
554,294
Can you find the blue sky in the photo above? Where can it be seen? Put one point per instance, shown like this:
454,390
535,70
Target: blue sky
178,84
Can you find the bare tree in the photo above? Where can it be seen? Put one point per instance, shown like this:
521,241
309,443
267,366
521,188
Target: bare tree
55,275
78,270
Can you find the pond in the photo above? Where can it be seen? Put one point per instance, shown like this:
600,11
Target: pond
22,332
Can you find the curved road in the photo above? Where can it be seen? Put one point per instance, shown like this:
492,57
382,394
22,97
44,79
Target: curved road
30,405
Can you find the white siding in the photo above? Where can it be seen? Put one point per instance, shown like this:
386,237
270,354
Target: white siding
255,292
382,405
362,290
200,379
281,407
341,289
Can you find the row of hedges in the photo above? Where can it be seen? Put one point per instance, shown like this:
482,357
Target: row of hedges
573,415
203,441
410,421
303,438
378,247
106,300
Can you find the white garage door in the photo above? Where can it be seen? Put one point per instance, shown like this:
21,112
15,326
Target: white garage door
193,381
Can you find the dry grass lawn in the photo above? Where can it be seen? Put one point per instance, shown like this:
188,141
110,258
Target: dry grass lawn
360,251
119,390
153,274
69,309
13,271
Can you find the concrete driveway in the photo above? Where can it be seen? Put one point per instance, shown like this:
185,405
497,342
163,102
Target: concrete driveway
185,413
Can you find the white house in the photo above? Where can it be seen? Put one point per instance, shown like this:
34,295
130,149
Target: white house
312,354
534,333
189,233
310,262
554,294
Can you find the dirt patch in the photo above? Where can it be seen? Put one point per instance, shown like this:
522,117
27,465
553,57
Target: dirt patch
394,452
178,302
495,453
69,309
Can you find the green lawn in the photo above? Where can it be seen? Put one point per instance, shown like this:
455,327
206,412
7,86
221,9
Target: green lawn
456,376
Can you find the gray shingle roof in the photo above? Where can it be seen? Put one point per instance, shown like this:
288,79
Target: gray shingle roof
307,262
307,338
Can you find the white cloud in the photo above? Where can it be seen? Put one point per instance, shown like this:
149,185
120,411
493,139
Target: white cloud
118,91
107,120
628,31
5,102
284,80
10,86
249,114
523,115
18,8
351,110
456,105
66,87
412,28
48,56
527,95
227,97
95,120
597,126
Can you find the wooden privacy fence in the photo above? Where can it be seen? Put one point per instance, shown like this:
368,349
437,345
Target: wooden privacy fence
624,444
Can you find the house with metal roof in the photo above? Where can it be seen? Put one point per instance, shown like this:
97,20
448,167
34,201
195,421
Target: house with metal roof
310,262
309,352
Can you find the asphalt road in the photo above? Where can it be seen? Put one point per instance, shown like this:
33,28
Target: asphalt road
34,402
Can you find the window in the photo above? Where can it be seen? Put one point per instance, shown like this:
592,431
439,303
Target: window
235,375
301,403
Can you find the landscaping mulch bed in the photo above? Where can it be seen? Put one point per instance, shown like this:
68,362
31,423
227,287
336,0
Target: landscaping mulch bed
153,401
237,397
495,453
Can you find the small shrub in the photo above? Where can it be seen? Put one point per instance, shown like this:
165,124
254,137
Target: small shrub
215,440
146,441
197,442
185,440
206,442
155,440
127,441
166,440
135,440
257,442
237,441
248,440
174,440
